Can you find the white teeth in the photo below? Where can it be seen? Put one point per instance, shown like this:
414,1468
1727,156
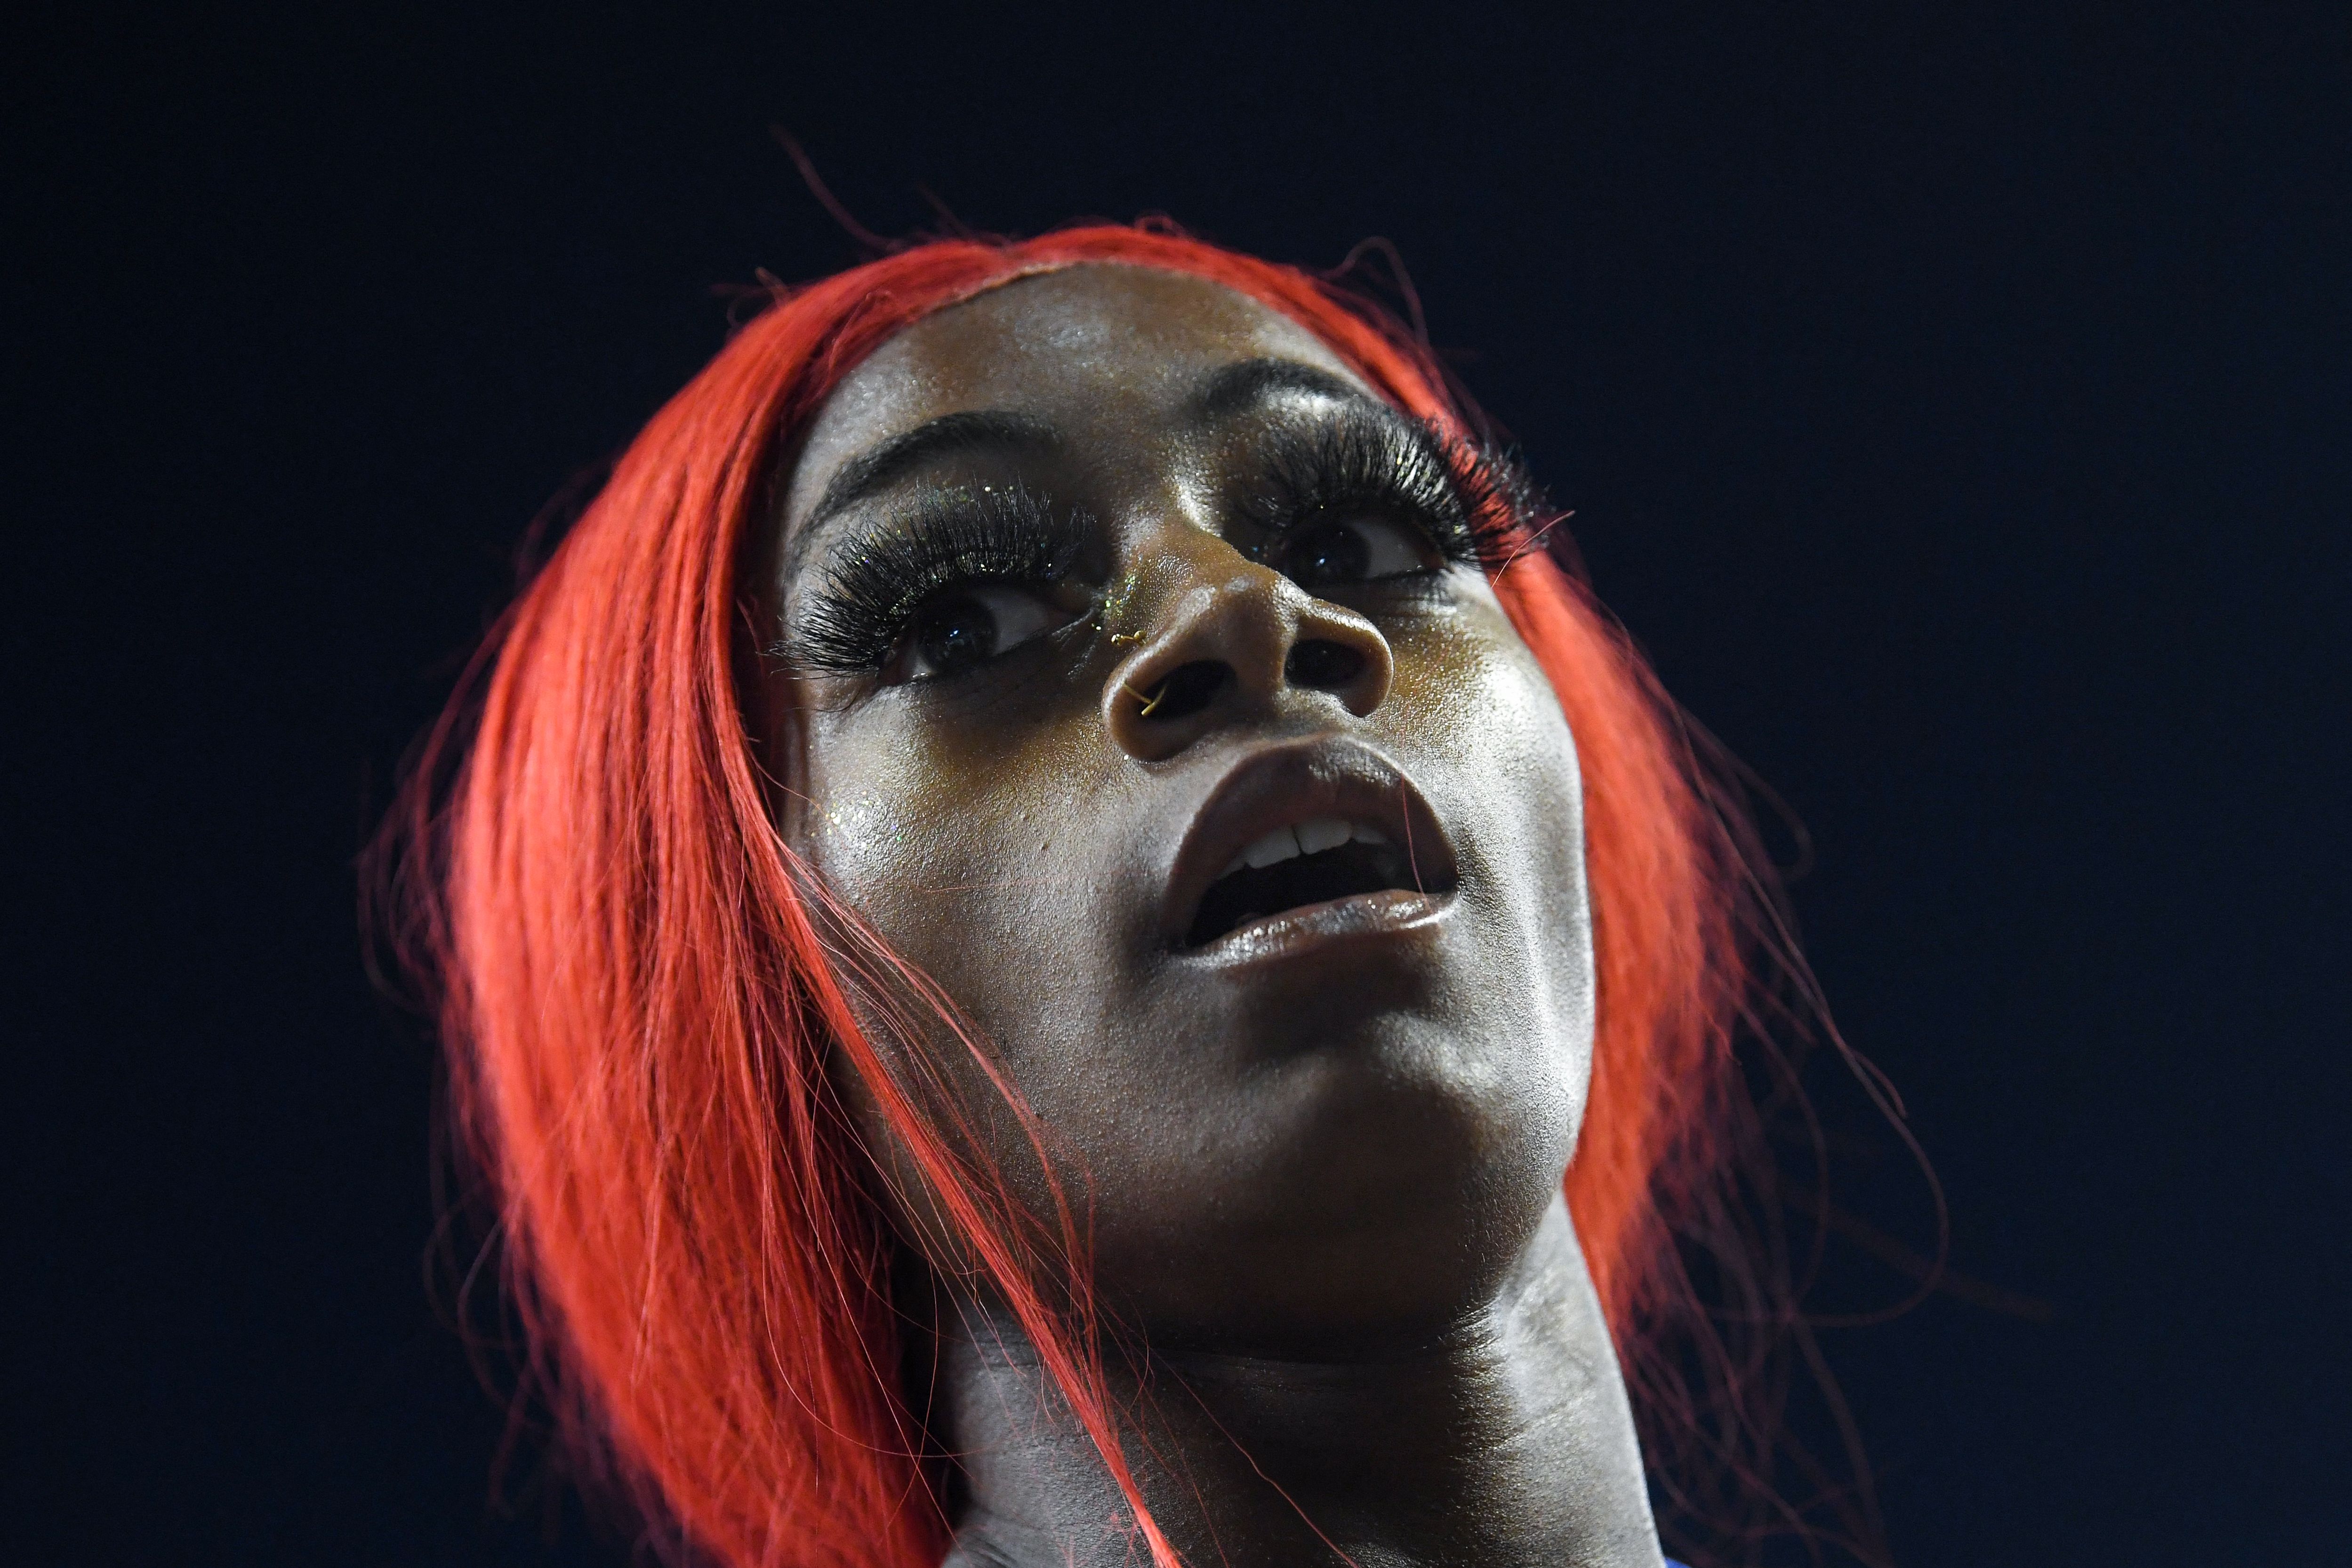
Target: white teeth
1322,833
1280,845
1309,838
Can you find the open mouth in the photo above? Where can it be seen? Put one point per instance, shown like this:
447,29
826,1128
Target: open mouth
1318,861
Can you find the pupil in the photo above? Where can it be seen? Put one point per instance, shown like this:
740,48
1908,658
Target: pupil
1335,555
957,635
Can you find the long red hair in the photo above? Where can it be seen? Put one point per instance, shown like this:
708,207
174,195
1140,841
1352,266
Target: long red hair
642,986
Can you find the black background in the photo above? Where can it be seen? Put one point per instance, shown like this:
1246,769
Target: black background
1953,400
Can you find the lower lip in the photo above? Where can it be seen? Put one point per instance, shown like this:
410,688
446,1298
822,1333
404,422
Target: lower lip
1314,927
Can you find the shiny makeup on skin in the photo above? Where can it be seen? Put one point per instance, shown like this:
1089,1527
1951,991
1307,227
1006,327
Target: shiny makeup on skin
965,574
1142,684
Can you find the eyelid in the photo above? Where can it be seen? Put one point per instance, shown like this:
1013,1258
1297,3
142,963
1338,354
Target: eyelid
869,582
1475,503
1356,459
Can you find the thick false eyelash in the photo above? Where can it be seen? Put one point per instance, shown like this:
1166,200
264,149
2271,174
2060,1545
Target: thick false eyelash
1508,512
873,583
1475,503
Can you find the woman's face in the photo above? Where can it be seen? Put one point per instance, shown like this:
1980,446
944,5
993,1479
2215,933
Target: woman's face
1138,684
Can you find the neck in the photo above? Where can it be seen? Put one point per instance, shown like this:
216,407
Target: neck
1506,1442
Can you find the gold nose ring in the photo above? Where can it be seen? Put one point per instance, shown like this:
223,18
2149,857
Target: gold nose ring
1159,695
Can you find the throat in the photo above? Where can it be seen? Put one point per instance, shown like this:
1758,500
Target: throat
1511,1442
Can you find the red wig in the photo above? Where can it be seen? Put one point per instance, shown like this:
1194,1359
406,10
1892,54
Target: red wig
643,986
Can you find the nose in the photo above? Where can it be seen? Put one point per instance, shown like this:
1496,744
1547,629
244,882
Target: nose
1232,641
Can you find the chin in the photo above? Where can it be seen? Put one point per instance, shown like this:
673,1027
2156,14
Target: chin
1376,1192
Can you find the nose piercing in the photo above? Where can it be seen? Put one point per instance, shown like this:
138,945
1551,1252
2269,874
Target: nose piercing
1158,694
1114,608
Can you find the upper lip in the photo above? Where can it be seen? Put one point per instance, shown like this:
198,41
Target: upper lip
1292,782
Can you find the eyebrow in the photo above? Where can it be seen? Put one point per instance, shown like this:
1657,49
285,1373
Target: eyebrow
1236,388
883,465
1229,390
886,463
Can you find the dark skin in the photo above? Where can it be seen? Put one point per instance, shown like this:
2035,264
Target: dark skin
1322,1142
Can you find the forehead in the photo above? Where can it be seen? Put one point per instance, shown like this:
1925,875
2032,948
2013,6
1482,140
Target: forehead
1098,350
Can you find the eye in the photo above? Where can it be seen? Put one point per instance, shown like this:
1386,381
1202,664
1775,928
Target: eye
967,626
1358,550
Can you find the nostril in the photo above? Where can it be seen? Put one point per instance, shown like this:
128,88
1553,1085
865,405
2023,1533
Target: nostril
1322,666
1185,690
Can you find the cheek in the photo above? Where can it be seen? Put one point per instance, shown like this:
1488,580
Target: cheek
953,841
1474,702
951,844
